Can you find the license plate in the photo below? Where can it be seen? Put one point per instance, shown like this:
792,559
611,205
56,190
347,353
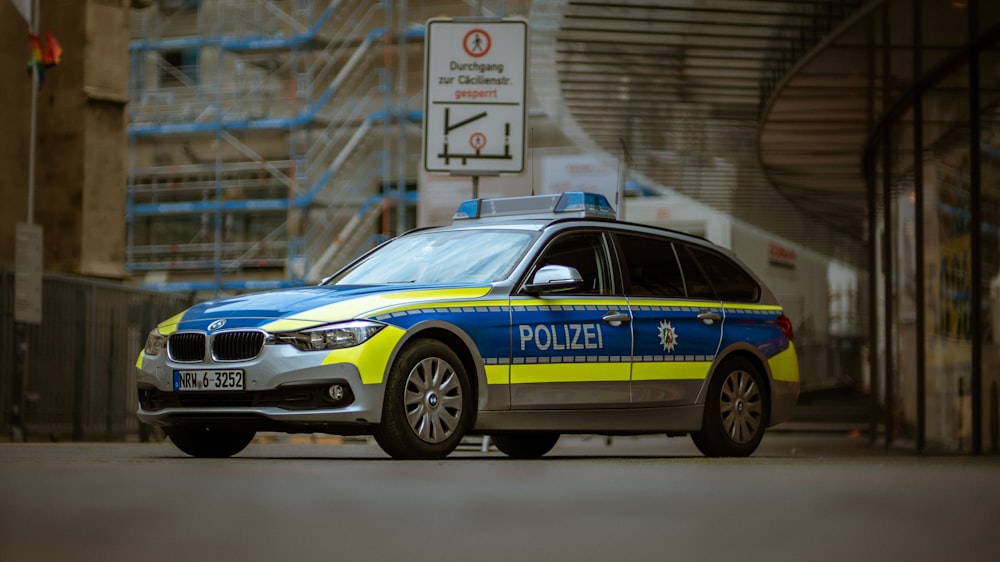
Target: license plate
231,379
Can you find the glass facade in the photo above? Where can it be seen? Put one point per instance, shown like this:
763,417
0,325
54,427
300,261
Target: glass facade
935,163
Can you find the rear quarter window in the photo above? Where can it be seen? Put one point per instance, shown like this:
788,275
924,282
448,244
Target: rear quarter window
730,281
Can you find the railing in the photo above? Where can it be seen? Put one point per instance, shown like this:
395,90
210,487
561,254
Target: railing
79,365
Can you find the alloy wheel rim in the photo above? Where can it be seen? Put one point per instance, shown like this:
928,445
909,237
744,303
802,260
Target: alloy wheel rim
741,407
433,400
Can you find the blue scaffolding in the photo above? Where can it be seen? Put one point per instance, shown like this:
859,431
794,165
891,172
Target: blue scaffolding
274,113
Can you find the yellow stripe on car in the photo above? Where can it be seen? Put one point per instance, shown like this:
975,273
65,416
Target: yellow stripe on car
760,307
169,325
372,357
569,372
575,302
497,374
785,365
665,303
368,306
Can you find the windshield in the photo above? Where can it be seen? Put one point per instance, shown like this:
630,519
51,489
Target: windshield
441,256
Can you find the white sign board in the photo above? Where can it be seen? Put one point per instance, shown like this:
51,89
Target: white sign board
475,81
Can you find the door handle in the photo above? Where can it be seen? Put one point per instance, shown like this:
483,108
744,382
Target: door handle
708,317
616,318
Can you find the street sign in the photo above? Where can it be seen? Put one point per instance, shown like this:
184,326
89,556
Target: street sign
475,84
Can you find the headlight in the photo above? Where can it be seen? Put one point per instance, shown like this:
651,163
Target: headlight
332,336
155,342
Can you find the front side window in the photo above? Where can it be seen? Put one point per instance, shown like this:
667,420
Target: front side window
585,251
441,257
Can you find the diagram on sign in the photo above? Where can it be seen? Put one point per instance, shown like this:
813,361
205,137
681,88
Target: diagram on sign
477,139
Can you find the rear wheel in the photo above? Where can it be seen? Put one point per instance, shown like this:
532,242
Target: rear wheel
428,403
735,411
525,445
209,443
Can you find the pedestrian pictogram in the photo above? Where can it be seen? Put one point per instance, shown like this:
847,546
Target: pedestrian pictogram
475,87
477,43
477,141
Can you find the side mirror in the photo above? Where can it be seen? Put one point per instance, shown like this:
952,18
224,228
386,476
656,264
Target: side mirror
554,278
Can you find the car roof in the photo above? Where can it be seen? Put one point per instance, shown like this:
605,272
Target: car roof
589,212
538,212
539,224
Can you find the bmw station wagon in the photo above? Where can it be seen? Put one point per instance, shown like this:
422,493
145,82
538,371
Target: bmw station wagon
527,318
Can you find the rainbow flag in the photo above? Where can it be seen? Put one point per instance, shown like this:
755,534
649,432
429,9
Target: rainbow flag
43,57
53,51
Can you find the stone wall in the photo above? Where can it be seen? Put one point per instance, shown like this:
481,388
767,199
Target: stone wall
81,148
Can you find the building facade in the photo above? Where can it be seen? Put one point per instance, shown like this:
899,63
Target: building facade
81,155
905,99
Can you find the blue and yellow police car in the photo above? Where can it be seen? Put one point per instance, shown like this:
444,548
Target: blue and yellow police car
527,318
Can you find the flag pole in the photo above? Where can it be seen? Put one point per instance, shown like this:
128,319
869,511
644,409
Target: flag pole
34,26
18,429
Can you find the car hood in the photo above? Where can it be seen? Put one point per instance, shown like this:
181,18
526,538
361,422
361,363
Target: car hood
305,307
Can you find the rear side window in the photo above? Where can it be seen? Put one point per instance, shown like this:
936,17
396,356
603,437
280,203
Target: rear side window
730,281
652,267
698,286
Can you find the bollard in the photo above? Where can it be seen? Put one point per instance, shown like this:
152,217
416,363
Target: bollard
961,410
994,418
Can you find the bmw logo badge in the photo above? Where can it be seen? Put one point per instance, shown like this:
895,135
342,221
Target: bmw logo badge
216,325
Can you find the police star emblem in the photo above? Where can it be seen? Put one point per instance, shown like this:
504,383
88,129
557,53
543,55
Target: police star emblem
668,336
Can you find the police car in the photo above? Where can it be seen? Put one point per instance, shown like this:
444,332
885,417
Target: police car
527,318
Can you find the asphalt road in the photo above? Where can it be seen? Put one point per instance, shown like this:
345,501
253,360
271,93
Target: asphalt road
801,497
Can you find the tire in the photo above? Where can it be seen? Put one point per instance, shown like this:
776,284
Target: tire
525,445
203,442
428,403
736,411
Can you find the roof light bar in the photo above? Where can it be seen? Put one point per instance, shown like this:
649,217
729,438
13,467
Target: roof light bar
570,204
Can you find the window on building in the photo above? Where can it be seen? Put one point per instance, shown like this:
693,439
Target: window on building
179,68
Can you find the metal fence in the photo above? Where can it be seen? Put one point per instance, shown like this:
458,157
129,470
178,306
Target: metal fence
77,369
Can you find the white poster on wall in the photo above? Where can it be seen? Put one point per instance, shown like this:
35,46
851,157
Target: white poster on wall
579,173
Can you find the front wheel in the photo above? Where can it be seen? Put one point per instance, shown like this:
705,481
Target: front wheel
525,445
209,443
428,403
735,411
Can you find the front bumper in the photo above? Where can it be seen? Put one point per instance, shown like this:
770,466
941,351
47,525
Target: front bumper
284,390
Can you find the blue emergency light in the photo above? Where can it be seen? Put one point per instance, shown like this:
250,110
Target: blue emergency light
570,204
